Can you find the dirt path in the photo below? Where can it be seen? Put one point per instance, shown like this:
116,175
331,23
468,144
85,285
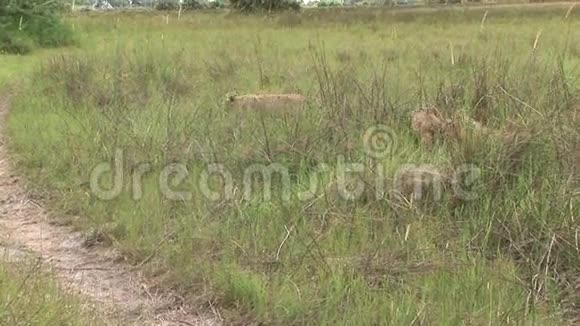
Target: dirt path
114,289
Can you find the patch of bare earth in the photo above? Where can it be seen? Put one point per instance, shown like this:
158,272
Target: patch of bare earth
116,291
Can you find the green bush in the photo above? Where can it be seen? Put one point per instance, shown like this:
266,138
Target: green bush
29,23
264,5
242,5
194,4
166,5
329,4
216,4
14,43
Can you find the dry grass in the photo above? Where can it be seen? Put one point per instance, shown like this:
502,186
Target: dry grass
155,91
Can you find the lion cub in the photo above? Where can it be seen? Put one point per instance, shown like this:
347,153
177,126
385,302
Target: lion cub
265,102
428,123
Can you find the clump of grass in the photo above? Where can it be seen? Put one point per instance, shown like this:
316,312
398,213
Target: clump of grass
28,296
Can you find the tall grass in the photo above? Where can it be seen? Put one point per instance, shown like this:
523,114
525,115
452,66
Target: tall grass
28,296
155,92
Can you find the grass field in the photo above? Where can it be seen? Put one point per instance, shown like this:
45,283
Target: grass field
148,92
29,293
29,296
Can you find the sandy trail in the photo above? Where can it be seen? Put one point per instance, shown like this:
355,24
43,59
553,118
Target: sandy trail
117,292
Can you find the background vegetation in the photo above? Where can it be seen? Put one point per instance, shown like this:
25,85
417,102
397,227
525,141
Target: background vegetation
26,24
155,90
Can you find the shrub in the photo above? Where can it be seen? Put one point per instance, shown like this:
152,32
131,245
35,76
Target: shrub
29,23
189,5
216,4
194,4
167,5
10,43
264,5
242,5
329,4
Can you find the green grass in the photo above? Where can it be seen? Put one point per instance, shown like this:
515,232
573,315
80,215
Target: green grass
17,68
155,92
29,296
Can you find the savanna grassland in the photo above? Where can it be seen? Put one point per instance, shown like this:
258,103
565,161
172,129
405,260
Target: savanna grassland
30,296
29,292
149,89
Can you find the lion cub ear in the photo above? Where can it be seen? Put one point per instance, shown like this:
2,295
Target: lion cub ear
229,97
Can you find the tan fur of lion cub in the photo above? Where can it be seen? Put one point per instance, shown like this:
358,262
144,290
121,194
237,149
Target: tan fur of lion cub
265,102
428,124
